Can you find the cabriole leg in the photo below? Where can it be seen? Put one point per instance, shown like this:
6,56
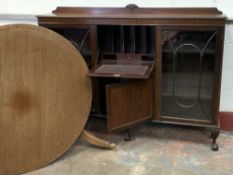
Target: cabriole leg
214,136
128,136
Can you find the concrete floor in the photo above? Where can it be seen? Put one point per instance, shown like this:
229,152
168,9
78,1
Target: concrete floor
155,149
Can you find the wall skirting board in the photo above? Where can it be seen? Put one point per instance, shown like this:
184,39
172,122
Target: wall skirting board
226,121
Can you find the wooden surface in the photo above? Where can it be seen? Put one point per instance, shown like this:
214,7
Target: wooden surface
71,16
157,75
128,103
45,97
138,12
92,139
122,71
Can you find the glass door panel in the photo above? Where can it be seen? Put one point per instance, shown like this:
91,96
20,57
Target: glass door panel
188,74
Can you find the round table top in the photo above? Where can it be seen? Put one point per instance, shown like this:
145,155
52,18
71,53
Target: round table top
45,97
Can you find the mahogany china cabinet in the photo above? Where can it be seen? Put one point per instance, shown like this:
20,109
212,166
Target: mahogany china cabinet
158,64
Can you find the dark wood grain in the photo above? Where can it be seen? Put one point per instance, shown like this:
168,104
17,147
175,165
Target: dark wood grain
218,76
64,16
157,76
138,12
128,104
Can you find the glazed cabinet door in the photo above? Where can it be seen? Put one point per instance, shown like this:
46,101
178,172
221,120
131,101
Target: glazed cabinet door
190,75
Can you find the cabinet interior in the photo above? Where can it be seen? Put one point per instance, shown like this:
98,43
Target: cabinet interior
125,51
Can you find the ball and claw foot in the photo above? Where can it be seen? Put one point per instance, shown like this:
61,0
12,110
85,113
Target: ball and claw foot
214,146
128,136
214,136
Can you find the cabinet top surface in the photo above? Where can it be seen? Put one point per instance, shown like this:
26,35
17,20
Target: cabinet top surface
150,13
